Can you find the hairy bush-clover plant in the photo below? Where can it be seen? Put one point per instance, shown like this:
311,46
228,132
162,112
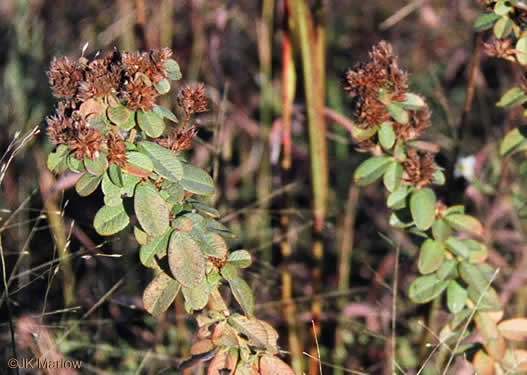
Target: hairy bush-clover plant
452,258
108,128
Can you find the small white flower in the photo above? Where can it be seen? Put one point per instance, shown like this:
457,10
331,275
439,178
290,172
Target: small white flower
465,167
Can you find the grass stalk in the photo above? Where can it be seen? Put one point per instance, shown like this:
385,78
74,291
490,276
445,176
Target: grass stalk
312,48
347,236
288,95
265,52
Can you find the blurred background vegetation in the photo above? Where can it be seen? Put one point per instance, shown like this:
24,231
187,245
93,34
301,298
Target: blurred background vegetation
83,292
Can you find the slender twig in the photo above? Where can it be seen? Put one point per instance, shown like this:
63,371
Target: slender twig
8,303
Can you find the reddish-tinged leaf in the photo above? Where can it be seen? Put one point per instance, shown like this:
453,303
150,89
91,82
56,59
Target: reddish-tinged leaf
514,329
160,294
515,360
224,335
483,364
201,346
138,164
270,365
224,363
186,260
492,339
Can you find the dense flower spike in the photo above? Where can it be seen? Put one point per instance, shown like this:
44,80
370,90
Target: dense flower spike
419,169
102,79
366,80
101,98
389,115
65,77
180,140
193,100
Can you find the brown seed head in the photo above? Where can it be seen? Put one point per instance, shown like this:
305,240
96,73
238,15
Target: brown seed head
116,149
180,140
102,79
193,100
419,169
365,81
65,76
139,93
87,143
419,121
501,49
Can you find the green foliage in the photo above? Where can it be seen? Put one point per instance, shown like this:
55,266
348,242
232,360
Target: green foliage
371,170
423,207
179,236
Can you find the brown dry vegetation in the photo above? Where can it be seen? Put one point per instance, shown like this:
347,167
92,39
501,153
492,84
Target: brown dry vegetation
82,292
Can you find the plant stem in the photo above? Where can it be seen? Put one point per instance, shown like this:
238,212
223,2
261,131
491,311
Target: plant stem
312,47
288,94
347,235
264,190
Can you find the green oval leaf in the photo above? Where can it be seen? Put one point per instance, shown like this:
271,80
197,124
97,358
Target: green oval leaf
458,247
87,184
441,230
513,97
158,248
118,115
96,167
75,165
431,256
413,102
503,27
151,210
186,260
160,293
371,169
110,220
196,298
423,208
398,113
397,199
514,141
138,164
196,180
448,270
426,288
465,223
163,86
361,134
240,258
150,123
485,21
456,297
130,123
386,135
166,164
393,176
173,70
521,50
57,160
229,272
165,113
243,294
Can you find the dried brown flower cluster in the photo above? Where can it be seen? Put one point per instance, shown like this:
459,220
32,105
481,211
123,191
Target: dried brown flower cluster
366,80
179,140
193,100
380,91
89,89
500,48
68,126
417,123
419,169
